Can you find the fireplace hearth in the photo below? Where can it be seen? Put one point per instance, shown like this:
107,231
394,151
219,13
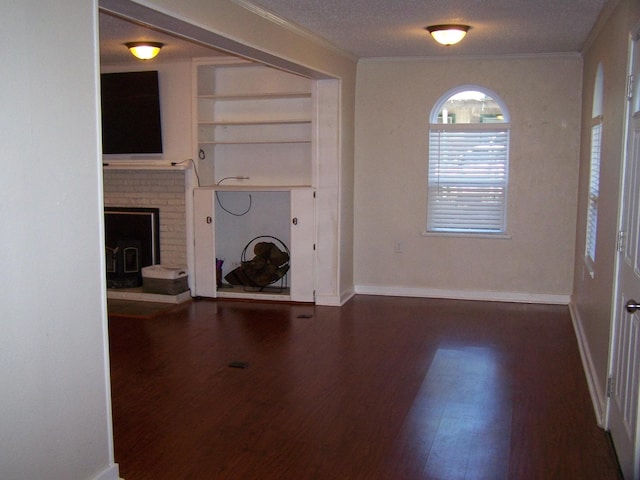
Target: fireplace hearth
132,241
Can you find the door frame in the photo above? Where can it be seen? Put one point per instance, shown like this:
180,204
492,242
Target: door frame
635,32
634,36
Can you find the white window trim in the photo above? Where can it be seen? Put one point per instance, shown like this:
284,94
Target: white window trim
434,126
463,88
596,120
499,236
475,127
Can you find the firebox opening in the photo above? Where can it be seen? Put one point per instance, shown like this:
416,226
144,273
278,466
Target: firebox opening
132,241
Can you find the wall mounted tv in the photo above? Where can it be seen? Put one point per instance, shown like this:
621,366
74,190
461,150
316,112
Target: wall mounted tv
131,113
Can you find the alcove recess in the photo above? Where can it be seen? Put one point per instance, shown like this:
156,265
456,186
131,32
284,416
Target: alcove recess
253,143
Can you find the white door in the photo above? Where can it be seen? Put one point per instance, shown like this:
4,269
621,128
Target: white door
303,221
204,243
623,407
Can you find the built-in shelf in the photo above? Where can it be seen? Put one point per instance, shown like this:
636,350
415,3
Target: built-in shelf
252,120
256,142
253,142
237,187
258,96
257,122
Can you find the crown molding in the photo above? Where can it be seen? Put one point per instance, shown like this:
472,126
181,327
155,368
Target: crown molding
293,27
470,58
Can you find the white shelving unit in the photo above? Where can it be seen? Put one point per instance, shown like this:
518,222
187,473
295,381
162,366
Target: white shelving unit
253,138
252,121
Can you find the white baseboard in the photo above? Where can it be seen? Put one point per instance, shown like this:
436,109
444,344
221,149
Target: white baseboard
334,300
109,473
598,397
515,297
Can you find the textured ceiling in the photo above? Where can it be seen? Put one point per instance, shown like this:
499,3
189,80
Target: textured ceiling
115,32
395,28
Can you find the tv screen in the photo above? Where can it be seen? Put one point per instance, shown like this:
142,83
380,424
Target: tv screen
131,113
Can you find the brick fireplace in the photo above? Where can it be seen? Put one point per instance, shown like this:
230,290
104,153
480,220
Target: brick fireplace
161,189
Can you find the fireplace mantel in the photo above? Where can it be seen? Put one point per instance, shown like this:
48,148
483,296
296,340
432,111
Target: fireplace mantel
145,165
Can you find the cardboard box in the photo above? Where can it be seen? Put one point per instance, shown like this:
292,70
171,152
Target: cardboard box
164,280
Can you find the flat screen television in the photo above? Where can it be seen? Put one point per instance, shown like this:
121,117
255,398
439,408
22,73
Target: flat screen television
131,122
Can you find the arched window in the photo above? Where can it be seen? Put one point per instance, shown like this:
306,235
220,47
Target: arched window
468,162
594,171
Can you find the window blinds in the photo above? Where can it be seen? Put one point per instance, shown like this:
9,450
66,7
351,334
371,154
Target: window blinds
594,190
468,178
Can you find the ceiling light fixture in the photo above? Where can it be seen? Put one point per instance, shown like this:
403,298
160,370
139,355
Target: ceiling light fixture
144,50
448,34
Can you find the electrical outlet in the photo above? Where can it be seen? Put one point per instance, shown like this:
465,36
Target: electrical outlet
398,246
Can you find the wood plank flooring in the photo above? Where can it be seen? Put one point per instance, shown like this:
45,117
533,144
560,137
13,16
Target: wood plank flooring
380,389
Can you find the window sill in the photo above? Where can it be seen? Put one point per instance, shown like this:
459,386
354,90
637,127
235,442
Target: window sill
497,236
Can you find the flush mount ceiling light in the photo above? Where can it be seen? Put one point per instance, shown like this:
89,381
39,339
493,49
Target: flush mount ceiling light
144,50
448,34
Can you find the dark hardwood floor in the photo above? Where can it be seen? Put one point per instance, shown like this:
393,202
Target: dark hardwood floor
381,388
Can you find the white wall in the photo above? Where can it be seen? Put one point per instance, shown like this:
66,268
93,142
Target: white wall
55,402
393,103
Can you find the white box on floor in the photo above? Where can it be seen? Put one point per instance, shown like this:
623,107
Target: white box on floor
164,280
